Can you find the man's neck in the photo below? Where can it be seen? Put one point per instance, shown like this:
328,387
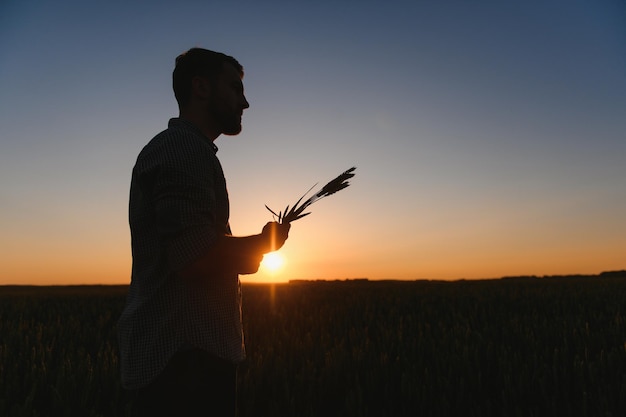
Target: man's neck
201,123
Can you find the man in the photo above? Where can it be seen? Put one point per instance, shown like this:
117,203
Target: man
180,333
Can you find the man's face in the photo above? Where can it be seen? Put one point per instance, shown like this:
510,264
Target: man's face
228,102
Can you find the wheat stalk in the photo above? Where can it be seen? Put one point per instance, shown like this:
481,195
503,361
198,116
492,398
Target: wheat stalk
296,212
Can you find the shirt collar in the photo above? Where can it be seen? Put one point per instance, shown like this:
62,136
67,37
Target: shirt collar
177,122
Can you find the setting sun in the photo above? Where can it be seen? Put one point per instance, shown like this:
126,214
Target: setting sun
273,262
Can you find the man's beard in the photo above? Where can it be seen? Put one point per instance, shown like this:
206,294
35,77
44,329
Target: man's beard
228,122
231,125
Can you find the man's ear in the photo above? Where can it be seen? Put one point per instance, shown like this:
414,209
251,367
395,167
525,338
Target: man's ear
201,87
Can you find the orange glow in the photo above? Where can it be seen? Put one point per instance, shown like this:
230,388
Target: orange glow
340,249
273,262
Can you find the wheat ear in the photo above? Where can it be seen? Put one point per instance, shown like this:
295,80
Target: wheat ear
296,211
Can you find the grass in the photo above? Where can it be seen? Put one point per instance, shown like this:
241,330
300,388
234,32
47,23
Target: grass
514,347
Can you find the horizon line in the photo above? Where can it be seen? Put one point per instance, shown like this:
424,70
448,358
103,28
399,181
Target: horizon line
604,274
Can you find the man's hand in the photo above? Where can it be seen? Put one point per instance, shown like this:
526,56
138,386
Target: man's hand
241,255
276,234
273,237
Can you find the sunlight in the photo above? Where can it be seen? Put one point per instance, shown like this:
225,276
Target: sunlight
273,262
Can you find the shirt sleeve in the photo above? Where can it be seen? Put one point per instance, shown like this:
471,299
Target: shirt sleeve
183,197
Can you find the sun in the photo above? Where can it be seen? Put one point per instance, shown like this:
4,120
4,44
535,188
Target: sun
273,262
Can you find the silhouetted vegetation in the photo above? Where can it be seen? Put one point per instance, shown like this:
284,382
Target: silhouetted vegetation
517,347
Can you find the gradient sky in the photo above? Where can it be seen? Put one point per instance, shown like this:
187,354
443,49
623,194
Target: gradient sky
489,136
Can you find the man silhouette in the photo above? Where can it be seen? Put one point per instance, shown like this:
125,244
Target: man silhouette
180,333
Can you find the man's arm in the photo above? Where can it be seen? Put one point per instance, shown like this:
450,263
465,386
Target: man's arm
239,255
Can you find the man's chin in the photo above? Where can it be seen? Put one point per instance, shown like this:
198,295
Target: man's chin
232,131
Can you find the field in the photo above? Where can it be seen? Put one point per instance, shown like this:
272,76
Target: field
509,347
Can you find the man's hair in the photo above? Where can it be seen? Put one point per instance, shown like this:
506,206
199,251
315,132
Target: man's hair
198,62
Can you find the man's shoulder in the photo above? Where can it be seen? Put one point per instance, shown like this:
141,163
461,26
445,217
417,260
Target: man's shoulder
178,140
177,134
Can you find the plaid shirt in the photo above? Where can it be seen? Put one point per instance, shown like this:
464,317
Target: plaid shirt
178,207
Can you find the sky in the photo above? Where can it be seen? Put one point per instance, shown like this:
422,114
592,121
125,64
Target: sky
489,136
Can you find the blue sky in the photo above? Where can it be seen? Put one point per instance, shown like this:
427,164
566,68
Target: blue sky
489,136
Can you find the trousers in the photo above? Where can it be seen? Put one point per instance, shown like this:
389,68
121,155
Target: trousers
194,383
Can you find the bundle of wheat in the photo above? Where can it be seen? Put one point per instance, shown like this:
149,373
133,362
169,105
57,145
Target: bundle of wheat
296,212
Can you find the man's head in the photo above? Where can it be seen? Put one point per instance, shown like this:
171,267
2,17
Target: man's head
208,88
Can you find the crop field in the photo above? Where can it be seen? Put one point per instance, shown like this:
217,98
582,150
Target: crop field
509,347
